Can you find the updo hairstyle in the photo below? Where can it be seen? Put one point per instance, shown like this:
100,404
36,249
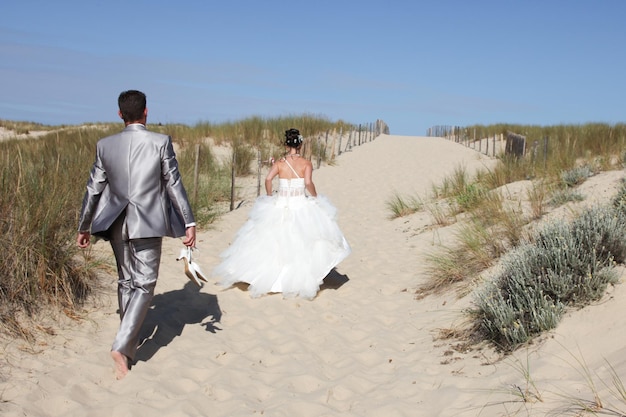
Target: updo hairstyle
293,138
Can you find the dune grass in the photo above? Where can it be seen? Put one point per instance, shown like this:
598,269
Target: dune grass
20,128
543,272
488,230
553,184
39,190
601,392
402,206
252,130
564,264
573,141
42,183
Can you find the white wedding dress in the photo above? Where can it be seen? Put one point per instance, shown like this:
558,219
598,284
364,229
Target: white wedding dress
289,243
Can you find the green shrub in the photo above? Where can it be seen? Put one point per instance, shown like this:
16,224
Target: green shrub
576,176
562,196
619,201
565,264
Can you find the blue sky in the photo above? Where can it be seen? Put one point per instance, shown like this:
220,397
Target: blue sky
412,63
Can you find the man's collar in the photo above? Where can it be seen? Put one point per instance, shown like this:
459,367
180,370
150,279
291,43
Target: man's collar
135,126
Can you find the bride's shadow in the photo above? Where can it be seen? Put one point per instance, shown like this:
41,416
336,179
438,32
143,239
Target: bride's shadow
170,312
334,280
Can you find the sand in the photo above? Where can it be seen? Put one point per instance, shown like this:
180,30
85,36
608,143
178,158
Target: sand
366,346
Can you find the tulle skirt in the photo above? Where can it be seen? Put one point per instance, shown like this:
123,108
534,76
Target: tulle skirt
287,245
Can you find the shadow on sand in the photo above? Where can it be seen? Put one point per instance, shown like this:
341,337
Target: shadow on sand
171,312
334,280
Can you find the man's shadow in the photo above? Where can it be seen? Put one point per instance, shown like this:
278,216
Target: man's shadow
170,312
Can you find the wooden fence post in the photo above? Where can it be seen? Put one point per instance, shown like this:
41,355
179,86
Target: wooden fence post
232,181
340,134
350,139
326,143
258,172
319,151
545,152
195,175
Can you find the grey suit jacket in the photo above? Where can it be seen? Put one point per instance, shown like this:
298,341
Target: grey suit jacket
136,171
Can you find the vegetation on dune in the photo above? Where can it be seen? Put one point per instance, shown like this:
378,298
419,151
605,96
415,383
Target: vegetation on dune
43,183
564,264
38,214
572,141
21,128
542,272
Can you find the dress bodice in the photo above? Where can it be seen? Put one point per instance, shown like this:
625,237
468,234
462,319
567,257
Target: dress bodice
293,187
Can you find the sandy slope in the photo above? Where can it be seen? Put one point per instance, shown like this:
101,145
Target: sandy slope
364,347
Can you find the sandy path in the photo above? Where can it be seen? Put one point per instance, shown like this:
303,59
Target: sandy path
364,347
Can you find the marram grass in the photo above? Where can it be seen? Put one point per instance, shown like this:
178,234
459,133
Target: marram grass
403,206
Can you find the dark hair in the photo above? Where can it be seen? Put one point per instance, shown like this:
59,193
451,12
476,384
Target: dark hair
132,104
293,138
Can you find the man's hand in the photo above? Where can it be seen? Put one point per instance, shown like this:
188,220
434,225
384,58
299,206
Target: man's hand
82,240
190,236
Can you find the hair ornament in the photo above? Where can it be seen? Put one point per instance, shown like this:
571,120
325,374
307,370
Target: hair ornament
293,138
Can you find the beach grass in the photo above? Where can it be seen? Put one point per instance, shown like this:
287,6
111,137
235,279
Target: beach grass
402,206
22,128
601,392
38,212
543,272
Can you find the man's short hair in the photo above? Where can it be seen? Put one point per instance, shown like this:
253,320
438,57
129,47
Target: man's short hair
132,104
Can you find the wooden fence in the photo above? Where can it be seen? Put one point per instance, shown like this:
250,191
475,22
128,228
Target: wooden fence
511,144
515,144
325,146
491,146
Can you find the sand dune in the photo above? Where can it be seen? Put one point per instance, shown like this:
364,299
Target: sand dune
364,347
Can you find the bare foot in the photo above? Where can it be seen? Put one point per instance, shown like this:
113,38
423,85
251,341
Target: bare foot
121,364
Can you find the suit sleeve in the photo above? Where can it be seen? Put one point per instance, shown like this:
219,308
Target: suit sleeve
96,184
174,185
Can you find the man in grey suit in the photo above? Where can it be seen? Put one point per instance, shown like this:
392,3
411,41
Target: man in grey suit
135,197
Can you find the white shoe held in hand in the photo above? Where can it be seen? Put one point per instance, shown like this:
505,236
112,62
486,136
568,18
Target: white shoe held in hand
192,269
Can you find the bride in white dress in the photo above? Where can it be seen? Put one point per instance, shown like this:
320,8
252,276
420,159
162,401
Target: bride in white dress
290,241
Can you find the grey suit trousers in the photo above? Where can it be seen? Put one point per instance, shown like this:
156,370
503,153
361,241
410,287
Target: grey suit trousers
138,263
